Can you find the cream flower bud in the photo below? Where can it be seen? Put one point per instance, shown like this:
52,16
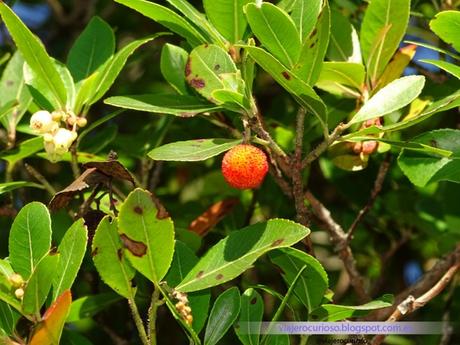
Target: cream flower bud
19,293
42,122
63,138
16,280
81,122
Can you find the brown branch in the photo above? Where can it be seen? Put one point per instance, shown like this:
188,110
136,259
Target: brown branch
411,304
40,178
339,239
314,155
383,170
428,280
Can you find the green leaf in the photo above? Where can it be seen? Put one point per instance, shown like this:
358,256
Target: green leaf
342,78
276,31
8,319
30,238
179,105
12,89
112,68
94,46
422,169
446,25
72,250
206,69
172,64
228,18
343,41
109,258
384,25
34,54
314,48
9,186
252,310
223,314
199,20
237,252
167,18
336,312
313,281
446,66
294,85
183,261
281,339
39,284
192,150
25,149
90,305
147,235
305,14
394,96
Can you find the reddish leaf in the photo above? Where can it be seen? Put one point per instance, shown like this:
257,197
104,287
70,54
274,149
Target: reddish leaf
213,215
49,330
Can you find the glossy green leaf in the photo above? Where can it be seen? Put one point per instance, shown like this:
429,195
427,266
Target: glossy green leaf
237,252
39,284
8,319
13,90
94,46
147,235
342,78
9,186
209,67
314,48
228,17
294,85
111,69
382,29
179,105
312,283
305,15
30,238
343,41
167,18
394,96
34,54
446,25
72,250
172,64
183,261
252,310
422,169
446,66
109,258
279,339
223,314
199,20
23,150
336,312
276,31
90,305
192,150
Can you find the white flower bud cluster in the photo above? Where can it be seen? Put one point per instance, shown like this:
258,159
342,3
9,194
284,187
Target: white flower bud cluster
182,306
57,139
18,283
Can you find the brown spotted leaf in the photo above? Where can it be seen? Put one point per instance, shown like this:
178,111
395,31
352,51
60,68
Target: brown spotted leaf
147,236
113,169
213,215
89,178
237,252
109,258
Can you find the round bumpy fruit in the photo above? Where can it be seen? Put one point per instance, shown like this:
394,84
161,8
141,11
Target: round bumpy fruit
244,166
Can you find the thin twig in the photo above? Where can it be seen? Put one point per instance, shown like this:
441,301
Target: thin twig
40,178
383,170
339,239
138,321
411,304
315,153
153,309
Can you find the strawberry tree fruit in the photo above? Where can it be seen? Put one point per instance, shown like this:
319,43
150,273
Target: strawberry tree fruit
244,166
